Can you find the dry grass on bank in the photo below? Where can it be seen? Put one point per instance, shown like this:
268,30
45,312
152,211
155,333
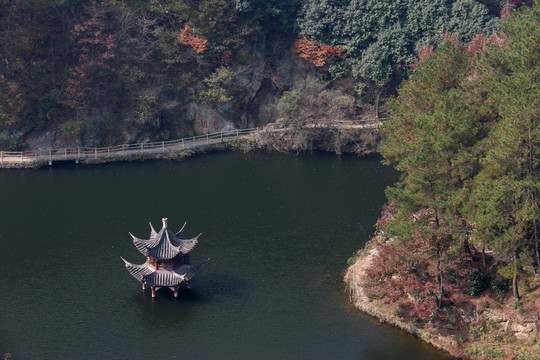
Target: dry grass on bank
489,326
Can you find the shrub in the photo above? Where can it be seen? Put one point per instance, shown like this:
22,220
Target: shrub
14,142
477,282
500,286
73,128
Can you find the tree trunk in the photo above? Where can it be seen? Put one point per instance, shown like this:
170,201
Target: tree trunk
484,255
377,98
537,262
467,247
515,289
439,276
532,194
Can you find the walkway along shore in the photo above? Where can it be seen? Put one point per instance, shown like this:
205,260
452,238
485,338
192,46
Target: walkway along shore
160,149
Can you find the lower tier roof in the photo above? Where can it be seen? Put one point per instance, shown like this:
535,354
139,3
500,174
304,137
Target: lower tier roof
153,277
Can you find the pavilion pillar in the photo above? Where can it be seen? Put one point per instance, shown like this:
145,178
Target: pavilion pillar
176,291
143,285
153,291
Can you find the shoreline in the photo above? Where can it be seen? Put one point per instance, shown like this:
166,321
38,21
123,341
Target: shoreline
496,330
353,279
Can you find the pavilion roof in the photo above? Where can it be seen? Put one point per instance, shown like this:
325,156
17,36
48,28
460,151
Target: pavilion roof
155,277
165,244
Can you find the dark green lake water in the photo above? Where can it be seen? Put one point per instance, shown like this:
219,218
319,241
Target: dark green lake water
278,230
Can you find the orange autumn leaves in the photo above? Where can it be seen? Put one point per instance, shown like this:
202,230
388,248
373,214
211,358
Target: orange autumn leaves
316,53
312,51
197,43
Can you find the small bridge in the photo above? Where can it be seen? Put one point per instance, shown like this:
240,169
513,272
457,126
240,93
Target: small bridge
151,149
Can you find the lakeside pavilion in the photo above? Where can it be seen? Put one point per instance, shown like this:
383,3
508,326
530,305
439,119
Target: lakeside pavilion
167,260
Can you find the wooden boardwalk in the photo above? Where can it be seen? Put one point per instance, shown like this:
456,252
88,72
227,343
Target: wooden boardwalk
129,151
118,152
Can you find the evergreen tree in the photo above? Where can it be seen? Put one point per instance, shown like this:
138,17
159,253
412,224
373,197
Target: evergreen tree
504,203
382,37
430,139
465,134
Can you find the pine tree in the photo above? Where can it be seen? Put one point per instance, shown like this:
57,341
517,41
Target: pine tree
430,139
504,203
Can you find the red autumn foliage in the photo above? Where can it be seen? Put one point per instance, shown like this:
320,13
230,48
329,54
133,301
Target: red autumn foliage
12,96
316,53
406,271
198,44
394,274
423,55
477,45
510,5
388,210
454,38
480,42
95,46
226,56
507,9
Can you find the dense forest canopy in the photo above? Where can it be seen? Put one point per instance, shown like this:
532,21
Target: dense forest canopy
382,37
93,71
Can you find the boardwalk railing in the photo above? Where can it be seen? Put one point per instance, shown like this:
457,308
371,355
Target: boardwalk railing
18,158
95,153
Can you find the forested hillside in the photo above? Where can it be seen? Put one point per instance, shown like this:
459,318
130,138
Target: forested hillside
460,236
76,72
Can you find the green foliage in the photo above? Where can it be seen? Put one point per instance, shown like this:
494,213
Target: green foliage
147,106
352,260
465,135
494,6
517,305
477,283
73,129
504,196
65,59
12,143
170,6
431,133
468,18
130,74
486,351
218,87
273,15
382,37
289,108
500,286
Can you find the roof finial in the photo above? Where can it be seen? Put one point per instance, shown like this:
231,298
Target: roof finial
165,222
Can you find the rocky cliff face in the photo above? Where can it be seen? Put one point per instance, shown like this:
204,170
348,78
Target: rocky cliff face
256,88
